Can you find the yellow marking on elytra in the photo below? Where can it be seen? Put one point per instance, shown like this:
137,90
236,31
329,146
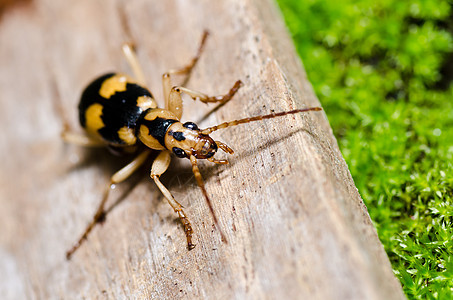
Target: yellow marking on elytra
146,102
127,135
116,83
93,118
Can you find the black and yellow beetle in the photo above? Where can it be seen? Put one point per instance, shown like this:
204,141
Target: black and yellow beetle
119,112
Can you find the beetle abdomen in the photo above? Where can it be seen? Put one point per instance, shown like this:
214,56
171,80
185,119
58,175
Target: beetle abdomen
110,107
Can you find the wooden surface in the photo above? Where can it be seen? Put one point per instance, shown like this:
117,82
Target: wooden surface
295,222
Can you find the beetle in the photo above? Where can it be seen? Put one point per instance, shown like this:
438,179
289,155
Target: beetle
117,111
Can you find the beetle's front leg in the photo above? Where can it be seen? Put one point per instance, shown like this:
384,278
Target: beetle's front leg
160,165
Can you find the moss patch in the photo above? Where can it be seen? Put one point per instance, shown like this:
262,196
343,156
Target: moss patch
383,71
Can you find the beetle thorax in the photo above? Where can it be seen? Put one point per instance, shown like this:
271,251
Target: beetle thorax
160,129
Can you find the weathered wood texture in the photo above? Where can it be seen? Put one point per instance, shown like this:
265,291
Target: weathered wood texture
295,222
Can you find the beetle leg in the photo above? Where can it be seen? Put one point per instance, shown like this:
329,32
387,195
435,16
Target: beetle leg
81,139
160,165
131,57
174,101
100,214
186,70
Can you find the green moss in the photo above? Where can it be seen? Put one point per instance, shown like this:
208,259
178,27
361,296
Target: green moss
382,71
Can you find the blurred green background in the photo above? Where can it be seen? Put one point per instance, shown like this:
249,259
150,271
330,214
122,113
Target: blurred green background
383,71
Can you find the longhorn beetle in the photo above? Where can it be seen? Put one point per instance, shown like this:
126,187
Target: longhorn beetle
119,112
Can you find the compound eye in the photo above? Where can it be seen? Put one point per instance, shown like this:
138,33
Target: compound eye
179,152
190,125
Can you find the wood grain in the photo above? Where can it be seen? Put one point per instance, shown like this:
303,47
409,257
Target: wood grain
296,225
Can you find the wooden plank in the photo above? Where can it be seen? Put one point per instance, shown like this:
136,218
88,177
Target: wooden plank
295,222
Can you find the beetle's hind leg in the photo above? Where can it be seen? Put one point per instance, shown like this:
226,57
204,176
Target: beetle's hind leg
100,214
80,139
160,165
